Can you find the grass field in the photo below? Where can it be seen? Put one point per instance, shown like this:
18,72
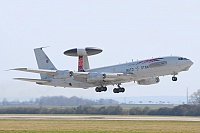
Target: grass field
13,125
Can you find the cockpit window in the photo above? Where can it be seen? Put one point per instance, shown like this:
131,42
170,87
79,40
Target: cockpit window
182,58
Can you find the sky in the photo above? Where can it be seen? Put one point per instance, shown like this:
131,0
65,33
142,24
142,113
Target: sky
126,30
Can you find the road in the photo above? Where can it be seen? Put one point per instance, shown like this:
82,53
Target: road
101,117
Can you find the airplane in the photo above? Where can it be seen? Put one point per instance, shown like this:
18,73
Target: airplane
144,72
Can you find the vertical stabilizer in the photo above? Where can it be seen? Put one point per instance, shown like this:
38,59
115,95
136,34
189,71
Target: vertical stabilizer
43,61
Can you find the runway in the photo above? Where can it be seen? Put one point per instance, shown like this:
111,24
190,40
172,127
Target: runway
101,117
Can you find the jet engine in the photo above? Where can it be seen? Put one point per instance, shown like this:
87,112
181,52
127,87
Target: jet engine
63,74
148,81
96,77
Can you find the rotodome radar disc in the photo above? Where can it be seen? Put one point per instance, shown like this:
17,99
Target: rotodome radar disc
83,51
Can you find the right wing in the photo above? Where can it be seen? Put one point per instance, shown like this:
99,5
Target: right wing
40,71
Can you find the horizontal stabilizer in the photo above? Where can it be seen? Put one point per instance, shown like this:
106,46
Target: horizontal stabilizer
41,71
33,80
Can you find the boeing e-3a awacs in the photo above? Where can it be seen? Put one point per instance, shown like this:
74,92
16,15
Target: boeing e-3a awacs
144,72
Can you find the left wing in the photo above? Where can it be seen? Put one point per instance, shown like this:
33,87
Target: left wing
33,80
116,76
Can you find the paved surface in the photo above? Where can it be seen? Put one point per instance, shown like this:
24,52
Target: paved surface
101,117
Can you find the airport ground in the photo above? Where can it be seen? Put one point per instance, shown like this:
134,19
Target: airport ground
97,123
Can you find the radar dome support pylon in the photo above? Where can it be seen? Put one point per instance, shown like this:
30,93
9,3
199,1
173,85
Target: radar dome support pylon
82,54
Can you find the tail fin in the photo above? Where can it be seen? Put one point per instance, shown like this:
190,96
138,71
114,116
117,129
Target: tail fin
83,63
43,61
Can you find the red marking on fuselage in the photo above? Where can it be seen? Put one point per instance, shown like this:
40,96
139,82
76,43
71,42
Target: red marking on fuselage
150,60
80,63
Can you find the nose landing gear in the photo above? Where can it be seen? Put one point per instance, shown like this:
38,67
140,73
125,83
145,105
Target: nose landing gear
174,78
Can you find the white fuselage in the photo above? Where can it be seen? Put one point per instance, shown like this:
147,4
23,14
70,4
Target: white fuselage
139,70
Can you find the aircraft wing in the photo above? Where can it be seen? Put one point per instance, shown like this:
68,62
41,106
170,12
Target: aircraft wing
95,78
116,78
33,80
40,71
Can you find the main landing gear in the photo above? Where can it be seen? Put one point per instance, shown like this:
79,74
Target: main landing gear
115,90
119,89
100,89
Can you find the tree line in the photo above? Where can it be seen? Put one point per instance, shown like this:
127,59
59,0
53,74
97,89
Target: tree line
59,101
181,110
110,110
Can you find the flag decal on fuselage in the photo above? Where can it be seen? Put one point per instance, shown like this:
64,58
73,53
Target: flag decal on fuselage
80,64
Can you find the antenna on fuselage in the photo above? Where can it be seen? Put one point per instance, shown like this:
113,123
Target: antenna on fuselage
82,54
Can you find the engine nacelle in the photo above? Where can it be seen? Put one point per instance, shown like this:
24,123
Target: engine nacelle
96,77
63,74
148,81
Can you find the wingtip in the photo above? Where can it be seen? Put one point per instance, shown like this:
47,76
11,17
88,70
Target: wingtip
9,69
17,78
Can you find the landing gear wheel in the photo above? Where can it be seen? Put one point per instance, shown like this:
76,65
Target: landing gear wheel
104,88
174,78
116,90
100,89
119,89
122,90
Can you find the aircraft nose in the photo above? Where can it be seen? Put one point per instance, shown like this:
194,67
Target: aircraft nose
190,63
187,64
